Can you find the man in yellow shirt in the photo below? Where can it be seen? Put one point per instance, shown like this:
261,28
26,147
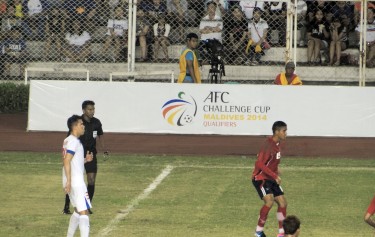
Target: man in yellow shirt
189,67
288,77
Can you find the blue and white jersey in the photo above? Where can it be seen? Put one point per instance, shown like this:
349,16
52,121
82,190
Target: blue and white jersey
73,145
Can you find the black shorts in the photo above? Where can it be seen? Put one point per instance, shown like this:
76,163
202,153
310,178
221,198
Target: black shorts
265,187
92,166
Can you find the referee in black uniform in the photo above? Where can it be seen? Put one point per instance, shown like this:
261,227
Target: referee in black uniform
93,133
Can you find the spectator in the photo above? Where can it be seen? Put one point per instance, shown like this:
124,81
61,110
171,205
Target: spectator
343,10
339,41
317,36
221,6
34,12
117,33
324,6
77,40
142,29
258,29
370,38
235,26
103,12
357,10
301,21
161,33
14,48
198,7
248,6
211,25
16,15
153,9
55,29
291,225
82,10
3,12
288,77
178,15
275,13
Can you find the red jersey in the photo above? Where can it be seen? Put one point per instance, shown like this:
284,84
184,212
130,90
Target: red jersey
267,163
371,208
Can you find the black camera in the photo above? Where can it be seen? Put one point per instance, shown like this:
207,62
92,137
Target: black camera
216,51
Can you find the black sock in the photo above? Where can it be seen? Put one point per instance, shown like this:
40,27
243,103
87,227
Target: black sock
91,190
67,202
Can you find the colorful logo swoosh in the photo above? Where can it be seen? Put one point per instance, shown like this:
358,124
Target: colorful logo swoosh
180,111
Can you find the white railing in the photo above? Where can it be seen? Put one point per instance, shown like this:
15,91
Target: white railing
131,75
55,70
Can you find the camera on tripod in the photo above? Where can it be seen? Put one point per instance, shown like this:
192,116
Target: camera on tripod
215,50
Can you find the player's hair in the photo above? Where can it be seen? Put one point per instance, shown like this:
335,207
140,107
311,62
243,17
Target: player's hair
191,36
72,121
291,224
86,103
278,125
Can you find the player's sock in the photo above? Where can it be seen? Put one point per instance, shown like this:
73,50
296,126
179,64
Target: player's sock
91,190
84,225
73,224
281,214
263,214
67,202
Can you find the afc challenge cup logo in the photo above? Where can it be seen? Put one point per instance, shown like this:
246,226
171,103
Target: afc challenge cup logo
180,111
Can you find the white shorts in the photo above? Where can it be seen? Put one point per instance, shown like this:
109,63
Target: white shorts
80,198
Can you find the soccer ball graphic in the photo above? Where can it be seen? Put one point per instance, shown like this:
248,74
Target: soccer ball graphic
188,119
180,111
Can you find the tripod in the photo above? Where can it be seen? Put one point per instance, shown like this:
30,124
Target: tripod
216,72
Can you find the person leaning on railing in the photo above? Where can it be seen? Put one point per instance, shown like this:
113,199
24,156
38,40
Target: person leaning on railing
288,77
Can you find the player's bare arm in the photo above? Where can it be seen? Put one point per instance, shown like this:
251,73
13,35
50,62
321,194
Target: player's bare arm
67,159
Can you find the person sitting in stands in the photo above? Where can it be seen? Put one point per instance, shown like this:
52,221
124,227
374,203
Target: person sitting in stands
142,34
14,48
161,33
55,28
235,28
258,29
77,43
317,35
370,38
339,41
288,77
117,33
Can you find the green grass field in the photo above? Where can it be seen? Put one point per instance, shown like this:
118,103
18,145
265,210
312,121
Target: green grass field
201,196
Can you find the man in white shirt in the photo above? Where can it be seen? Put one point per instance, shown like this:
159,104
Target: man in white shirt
34,17
211,25
370,37
248,7
258,34
73,177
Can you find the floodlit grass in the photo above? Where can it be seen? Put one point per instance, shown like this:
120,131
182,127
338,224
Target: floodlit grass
202,196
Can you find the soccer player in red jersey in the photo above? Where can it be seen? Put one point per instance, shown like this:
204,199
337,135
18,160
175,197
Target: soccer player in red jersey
370,212
267,181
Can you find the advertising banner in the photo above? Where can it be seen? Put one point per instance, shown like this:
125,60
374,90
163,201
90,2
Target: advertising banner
206,108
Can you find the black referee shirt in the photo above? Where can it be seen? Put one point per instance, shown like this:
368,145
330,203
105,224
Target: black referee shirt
92,130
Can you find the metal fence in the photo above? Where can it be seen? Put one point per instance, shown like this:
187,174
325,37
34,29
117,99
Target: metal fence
105,36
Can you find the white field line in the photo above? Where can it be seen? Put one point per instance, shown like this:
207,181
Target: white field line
250,167
124,212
